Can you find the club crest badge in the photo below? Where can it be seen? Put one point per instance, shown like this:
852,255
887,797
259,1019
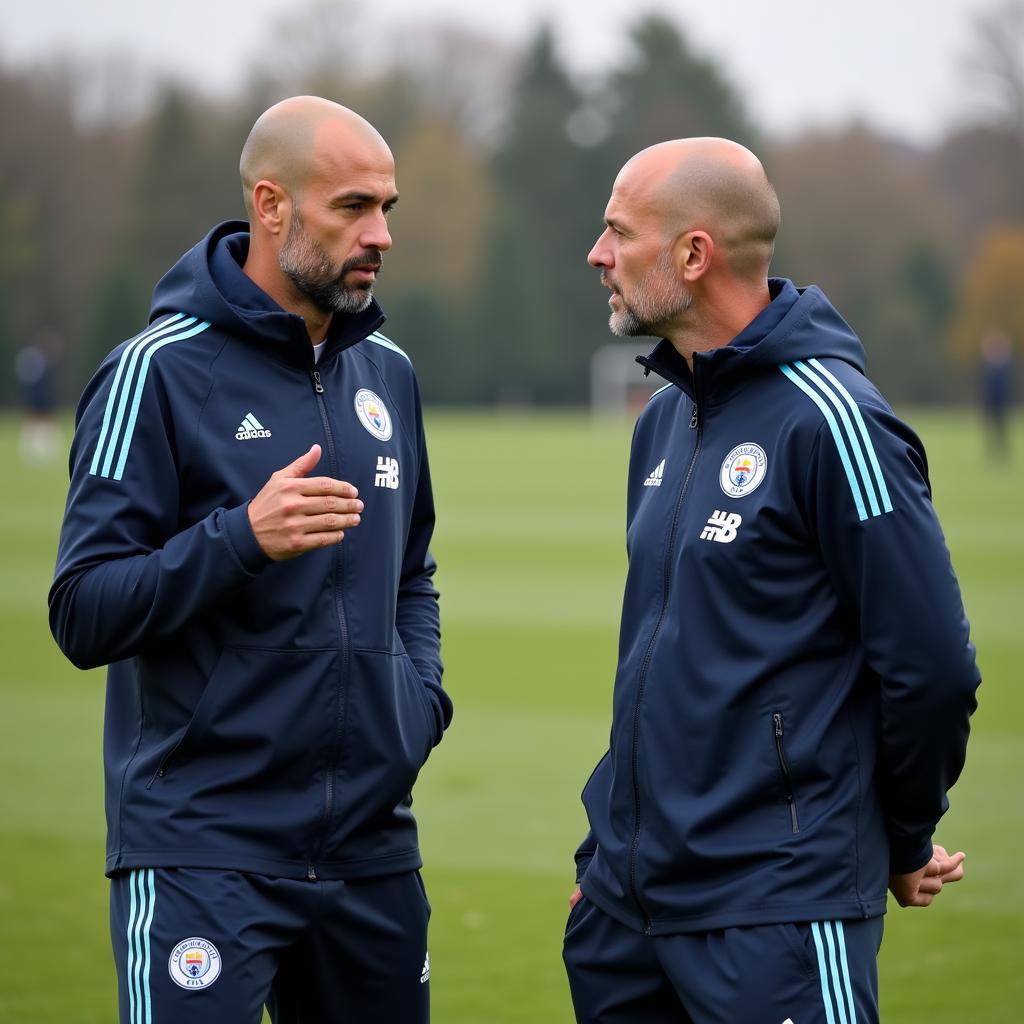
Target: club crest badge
372,414
743,470
194,963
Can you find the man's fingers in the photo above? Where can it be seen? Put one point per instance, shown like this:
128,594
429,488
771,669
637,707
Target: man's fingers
330,522
304,464
331,503
295,512
953,874
326,486
948,867
921,898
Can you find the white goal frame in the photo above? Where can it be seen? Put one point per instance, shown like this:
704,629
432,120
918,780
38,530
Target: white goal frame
618,386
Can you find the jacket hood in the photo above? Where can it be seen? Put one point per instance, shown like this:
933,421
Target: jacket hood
208,282
798,323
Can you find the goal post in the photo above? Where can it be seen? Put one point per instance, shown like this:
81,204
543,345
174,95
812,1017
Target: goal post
618,386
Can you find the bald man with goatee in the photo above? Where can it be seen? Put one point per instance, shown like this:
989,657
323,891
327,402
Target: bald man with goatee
795,676
246,546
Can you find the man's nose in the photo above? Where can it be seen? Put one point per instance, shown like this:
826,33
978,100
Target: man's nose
377,235
600,256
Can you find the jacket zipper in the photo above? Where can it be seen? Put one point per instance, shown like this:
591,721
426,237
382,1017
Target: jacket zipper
787,779
339,607
166,760
695,424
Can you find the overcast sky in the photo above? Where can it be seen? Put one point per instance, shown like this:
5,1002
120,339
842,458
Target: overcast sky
798,63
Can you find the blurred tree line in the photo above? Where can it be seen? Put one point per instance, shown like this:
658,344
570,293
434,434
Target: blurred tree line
505,162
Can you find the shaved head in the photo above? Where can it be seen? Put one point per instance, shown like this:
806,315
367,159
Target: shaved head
318,182
714,185
290,140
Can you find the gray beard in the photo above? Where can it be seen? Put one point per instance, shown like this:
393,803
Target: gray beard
316,277
647,318
658,299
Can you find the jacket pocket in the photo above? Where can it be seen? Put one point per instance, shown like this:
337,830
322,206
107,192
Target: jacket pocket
391,725
264,717
191,726
778,731
247,774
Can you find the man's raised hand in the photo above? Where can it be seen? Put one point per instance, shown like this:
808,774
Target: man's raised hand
294,512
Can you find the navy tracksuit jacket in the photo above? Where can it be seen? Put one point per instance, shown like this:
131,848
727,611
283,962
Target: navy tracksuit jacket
264,717
795,677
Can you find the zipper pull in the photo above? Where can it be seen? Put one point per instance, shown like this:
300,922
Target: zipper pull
694,419
777,718
317,386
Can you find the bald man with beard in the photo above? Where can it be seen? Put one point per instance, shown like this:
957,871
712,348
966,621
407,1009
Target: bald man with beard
246,547
795,675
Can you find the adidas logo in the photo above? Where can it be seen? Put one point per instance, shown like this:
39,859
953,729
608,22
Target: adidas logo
657,474
251,427
425,973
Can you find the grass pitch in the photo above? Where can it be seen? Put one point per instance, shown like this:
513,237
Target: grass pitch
531,548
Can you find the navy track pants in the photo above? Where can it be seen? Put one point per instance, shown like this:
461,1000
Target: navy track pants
214,947
815,972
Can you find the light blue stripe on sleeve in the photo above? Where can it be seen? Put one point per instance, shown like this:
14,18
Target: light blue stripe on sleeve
129,429
123,401
155,331
851,434
862,426
846,973
823,974
837,436
379,339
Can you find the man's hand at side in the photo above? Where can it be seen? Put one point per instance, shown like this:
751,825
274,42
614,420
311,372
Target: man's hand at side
294,513
576,896
920,887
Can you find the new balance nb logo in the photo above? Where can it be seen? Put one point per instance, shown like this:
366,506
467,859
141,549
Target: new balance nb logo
722,527
387,473
251,427
657,474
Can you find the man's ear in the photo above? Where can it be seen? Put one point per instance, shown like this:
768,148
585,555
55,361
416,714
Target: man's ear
693,253
271,206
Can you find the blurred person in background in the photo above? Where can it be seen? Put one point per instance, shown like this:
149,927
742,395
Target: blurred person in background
795,675
246,546
35,369
997,389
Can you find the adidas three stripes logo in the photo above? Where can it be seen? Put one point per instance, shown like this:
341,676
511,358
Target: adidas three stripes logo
125,398
834,972
850,433
137,968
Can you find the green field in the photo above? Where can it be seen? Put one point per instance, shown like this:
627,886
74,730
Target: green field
531,552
